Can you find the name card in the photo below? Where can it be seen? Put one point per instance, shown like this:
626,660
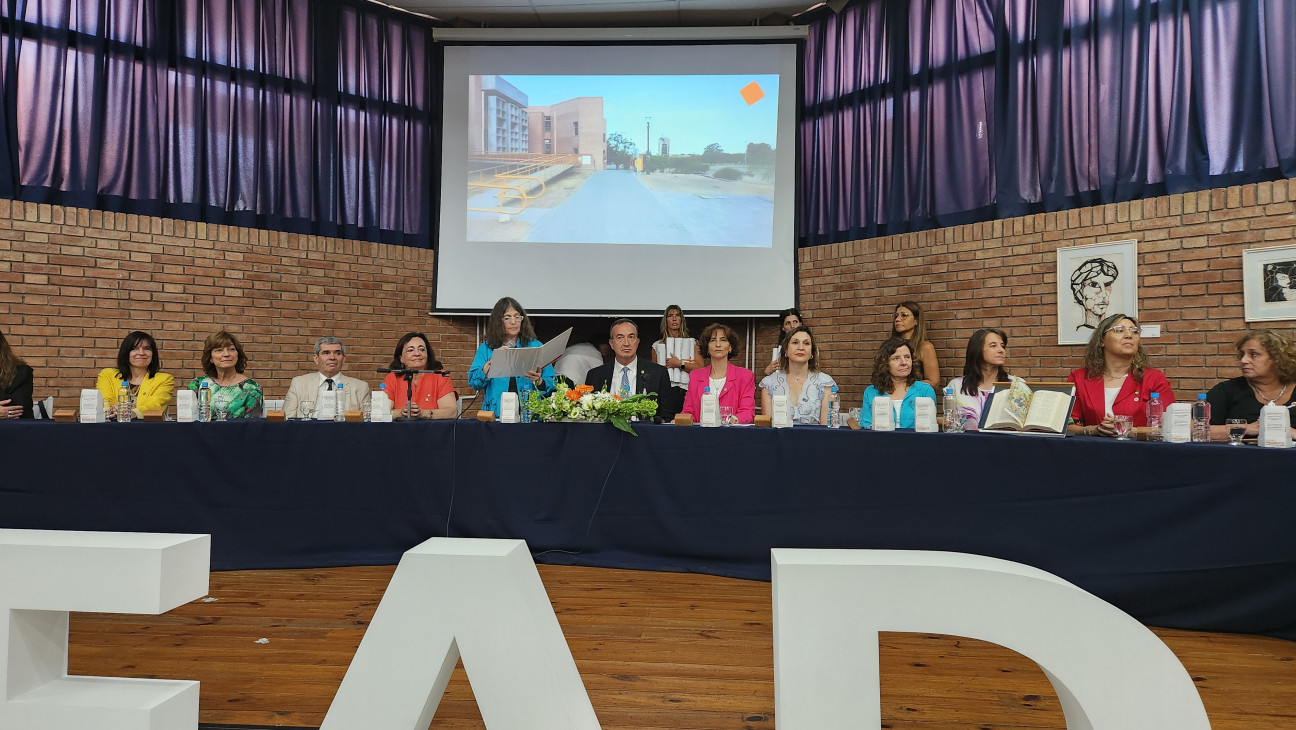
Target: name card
1176,424
780,417
326,406
186,406
710,411
925,415
509,408
92,406
380,408
1275,431
883,414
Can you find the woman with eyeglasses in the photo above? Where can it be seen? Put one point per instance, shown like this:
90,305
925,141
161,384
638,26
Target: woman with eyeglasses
1115,379
507,326
907,322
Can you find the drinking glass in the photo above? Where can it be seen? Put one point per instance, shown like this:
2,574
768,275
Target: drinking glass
306,411
727,417
1236,430
366,409
220,412
1123,426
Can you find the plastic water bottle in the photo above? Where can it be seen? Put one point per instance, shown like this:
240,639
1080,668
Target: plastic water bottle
204,402
124,403
834,409
339,412
1201,420
950,412
1155,411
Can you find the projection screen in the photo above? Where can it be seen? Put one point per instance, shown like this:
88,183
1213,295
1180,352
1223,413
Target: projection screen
613,178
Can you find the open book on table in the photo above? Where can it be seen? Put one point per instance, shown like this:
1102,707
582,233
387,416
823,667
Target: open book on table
1042,410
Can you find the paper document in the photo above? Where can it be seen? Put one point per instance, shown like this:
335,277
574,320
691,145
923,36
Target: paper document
681,347
514,362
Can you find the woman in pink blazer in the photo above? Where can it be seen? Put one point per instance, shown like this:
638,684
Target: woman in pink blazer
736,385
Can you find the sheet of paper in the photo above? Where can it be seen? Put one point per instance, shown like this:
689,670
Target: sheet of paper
514,362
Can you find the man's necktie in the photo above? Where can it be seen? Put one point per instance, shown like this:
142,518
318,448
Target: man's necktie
625,381
329,382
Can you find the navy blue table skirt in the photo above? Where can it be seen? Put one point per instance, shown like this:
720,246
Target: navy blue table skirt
1191,536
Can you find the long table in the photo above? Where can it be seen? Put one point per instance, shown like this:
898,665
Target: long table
1178,535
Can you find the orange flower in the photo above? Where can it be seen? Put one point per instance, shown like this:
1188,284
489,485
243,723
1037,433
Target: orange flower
573,395
583,389
616,397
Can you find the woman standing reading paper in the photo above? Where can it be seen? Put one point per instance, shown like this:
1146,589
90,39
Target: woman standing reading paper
507,326
895,377
736,386
1115,380
1267,360
137,363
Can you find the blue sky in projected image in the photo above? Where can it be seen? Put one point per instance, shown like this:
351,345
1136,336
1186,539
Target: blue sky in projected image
691,111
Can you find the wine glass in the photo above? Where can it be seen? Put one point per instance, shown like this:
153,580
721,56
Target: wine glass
306,410
1236,430
1124,424
727,417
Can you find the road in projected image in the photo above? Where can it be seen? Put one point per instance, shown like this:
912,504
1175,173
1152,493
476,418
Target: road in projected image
671,160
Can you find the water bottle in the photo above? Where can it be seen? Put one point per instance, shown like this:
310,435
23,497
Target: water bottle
124,407
1201,420
339,407
1155,410
950,411
834,409
204,402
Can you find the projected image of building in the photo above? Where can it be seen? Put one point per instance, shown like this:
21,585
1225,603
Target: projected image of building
497,117
572,127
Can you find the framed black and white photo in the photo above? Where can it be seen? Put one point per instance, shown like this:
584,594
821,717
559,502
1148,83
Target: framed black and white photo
1092,282
1269,283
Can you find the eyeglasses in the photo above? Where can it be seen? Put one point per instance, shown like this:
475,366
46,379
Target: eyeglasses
512,318
1121,329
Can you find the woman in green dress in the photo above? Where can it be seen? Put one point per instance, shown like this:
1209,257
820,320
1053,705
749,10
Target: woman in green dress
232,392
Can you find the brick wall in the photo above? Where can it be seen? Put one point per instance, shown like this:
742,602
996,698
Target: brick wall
1003,274
72,282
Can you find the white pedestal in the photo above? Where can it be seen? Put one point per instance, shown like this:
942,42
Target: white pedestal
48,573
1110,671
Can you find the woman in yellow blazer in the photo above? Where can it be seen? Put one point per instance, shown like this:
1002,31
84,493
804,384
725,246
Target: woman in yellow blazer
137,364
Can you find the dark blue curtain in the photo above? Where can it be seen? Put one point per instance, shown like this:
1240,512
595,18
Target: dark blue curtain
926,113
311,116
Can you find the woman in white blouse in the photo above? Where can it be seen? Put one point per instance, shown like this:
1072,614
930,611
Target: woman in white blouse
983,366
798,377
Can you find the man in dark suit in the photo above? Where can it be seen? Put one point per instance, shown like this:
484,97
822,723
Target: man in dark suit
628,373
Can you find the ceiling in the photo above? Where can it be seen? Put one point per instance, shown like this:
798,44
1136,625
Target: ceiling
606,14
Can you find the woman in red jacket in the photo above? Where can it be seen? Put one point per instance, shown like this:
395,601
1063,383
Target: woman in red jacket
1116,379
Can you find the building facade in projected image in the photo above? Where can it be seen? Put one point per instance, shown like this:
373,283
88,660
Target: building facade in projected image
497,116
575,126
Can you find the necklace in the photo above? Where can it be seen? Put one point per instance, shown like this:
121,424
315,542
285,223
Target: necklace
1266,398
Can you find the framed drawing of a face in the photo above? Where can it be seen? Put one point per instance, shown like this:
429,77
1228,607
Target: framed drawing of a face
1092,282
1269,283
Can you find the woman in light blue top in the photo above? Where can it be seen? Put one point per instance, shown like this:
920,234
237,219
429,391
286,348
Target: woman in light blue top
798,378
508,326
894,377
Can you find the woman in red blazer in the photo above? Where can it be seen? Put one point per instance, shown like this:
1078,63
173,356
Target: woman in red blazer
1116,379
737,385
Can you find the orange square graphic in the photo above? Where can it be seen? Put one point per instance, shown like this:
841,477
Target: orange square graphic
752,93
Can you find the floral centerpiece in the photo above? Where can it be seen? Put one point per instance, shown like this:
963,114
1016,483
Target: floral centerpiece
583,404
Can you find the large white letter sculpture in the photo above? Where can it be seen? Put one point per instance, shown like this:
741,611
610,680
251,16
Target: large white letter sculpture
44,575
479,598
1110,672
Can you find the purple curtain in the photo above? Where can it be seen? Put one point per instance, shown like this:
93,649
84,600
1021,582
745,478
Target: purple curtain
301,115
929,113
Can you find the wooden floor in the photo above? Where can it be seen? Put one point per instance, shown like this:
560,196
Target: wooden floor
656,650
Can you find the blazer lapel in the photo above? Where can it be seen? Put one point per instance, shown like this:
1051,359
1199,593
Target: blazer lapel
1130,388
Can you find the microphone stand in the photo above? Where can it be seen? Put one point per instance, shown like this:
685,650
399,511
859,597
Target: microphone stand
408,374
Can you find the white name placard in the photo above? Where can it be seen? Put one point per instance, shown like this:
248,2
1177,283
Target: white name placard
925,415
1176,424
92,406
883,414
780,417
1275,427
508,408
